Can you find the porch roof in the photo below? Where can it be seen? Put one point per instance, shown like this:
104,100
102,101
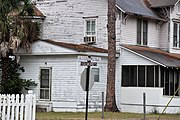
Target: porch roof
162,57
76,47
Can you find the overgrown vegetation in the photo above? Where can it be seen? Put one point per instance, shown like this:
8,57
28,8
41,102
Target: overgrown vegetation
15,85
16,30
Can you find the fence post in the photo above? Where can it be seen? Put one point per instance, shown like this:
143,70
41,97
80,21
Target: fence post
144,105
32,104
102,105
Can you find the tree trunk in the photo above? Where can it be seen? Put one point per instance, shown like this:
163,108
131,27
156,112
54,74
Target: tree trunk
110,92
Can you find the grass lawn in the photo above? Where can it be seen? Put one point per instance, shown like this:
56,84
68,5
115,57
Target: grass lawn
97,116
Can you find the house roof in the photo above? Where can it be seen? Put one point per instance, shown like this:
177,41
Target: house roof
137,7
160,56
37,12
162,3
76,47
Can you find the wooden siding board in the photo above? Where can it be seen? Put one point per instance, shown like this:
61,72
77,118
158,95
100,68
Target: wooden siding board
57,27
128,58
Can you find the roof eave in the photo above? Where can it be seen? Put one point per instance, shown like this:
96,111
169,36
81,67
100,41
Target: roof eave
154,61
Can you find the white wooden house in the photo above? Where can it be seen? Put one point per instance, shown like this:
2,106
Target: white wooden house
148,54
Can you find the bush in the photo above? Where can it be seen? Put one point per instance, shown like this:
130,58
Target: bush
14,85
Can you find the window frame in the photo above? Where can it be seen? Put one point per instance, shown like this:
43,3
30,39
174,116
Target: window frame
167,78
142,32
40,81
85,26
145,75
98,72
176,35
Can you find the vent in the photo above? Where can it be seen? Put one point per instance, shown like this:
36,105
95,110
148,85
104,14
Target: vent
90,39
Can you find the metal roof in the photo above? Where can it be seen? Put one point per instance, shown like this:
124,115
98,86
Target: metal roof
137,7
162,3
160,56
76,47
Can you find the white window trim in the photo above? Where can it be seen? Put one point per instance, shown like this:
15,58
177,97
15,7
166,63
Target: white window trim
178,36
85,25
99,73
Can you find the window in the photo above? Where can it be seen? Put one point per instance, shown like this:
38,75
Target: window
142,32
140,76
90,27
170,80
90,31
178,7
176,35
95,74
152,76
129,75
45,83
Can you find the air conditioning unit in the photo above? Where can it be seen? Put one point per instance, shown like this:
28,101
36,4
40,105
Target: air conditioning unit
90,39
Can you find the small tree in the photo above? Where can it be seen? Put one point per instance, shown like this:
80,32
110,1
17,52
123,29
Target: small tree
15,85
16,31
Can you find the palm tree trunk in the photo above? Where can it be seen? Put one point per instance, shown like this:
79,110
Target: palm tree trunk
110,92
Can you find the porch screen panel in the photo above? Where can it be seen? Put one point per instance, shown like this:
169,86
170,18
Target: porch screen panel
150,76
156,76
141,76
167,82
125,76
133,76
176,81
171,80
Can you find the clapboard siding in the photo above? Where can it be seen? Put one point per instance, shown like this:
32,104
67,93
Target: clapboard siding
64,20
164,36
96,92
66,77
176,15
129,32
63,74
129,58
153,34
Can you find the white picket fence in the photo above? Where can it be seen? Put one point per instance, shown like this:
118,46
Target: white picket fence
17,107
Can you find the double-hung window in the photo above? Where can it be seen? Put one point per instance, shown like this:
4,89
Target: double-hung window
90,31
142,32
45,83
90,27
176,35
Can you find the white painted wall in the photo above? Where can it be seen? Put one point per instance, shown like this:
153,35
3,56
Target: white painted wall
67,93
64,20
129,58
164,36
128,32
176,15
132,100
153,34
